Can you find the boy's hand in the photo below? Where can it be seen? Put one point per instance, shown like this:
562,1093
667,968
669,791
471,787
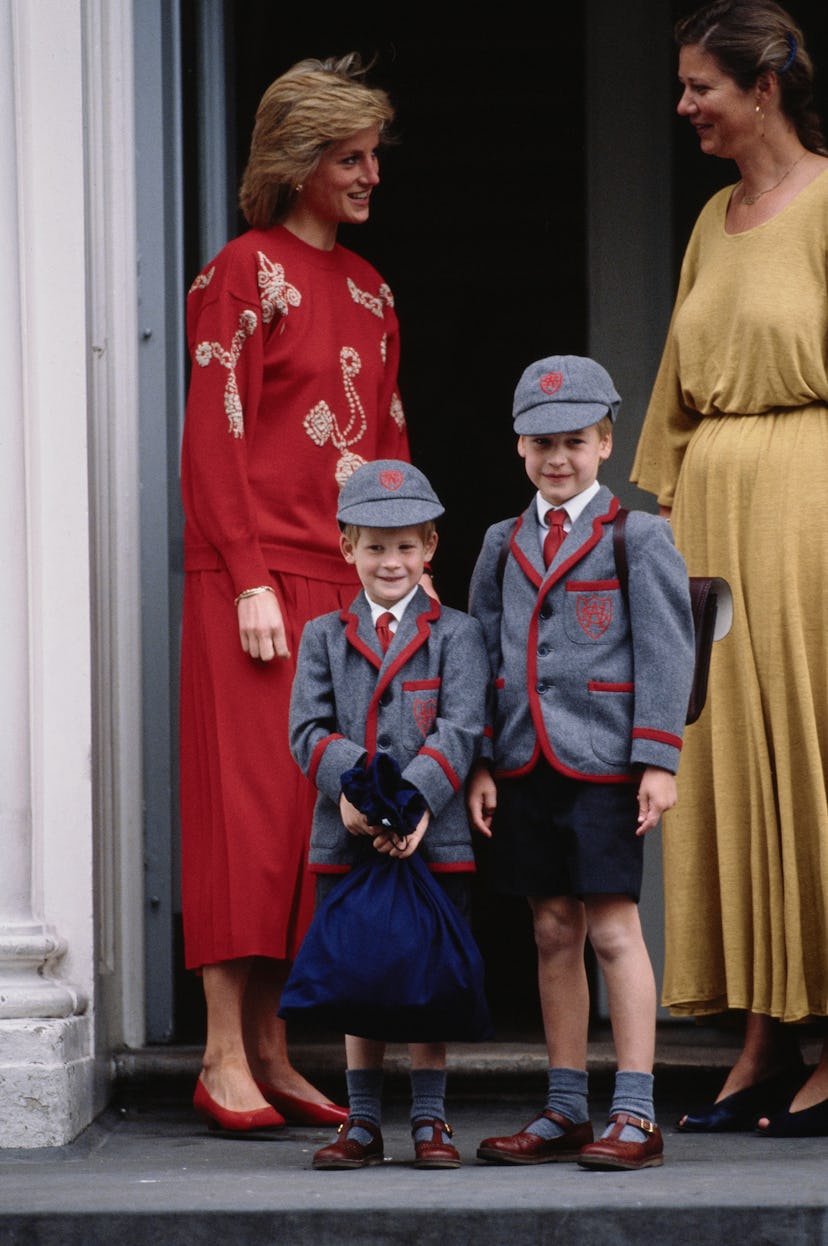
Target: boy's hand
656,792
481,799
355,821
397,845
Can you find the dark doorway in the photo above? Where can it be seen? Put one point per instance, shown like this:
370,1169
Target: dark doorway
479,229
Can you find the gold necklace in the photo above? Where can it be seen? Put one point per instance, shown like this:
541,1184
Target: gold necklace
751,199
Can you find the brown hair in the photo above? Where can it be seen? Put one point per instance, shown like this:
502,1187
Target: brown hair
351,531
752,37
311,106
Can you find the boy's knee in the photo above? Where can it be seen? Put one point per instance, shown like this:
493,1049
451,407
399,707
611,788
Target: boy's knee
558,927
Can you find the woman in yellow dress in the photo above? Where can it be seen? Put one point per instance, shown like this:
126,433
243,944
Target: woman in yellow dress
735,447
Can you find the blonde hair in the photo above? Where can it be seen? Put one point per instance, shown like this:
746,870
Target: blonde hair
311,106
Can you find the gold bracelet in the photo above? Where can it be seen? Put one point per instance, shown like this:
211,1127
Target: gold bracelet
252,592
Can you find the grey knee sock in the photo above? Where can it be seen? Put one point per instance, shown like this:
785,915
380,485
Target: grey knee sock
364,1100
633,1093
428,1100
567,1094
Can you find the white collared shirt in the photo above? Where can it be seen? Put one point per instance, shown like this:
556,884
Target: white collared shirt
572,506
398,609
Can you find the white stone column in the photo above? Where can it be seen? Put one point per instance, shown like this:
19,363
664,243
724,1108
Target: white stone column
46,957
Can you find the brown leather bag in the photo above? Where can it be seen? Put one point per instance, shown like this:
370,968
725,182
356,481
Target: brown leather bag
712,606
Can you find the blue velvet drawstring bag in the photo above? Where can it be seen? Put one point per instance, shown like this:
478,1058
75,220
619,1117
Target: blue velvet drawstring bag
380,792
388,956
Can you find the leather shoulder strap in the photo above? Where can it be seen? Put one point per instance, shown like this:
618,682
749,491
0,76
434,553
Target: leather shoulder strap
619,548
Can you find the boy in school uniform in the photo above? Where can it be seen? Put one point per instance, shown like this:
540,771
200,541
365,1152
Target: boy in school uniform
591,693
420,695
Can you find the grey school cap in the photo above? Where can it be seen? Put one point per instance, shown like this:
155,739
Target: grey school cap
562,393
387,493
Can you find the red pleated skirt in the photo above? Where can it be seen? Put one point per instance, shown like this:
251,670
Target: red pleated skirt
246,807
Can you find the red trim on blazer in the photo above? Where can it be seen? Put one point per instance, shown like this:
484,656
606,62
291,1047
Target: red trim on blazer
522,770
532,659
424,621
316,756
592,586
442,762
417,685
353,637
595,685
520,558
662,737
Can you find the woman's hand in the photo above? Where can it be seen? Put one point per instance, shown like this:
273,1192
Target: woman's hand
427,582
262,628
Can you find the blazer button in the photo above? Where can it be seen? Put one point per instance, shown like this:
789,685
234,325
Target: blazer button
384,743
385,699
543,650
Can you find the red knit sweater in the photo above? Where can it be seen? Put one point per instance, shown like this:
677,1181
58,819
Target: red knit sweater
294,385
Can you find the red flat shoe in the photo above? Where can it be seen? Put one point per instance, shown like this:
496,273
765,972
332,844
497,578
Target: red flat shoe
433,1152
613,1152
345,1153
217,1117
303,1111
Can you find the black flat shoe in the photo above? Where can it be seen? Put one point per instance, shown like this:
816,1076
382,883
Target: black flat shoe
810,1122
741,1110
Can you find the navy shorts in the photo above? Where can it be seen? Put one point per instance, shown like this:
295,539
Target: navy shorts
556,836
457,886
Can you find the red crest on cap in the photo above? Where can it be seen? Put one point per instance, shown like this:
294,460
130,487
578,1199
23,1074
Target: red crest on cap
551,382
391,479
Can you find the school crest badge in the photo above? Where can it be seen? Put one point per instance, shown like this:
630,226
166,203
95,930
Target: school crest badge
551,382
594,614
391,479
425,713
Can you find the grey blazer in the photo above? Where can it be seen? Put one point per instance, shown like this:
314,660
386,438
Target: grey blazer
424,702
592,686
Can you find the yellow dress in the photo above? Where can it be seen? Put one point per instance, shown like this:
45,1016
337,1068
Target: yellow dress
736,441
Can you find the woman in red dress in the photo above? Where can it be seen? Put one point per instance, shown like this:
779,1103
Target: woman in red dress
294,346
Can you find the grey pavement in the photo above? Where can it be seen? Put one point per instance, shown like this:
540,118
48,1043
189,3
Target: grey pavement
148,1172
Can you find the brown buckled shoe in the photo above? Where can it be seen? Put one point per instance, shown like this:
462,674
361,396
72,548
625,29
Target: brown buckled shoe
345,1153
612,1152
433,1152
526,1148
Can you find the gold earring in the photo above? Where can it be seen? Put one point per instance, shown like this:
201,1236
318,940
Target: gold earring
298,189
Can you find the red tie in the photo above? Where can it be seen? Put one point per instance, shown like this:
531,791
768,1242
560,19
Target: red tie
555,535
384,629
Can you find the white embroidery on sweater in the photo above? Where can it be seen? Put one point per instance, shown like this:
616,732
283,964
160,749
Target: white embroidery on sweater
275,292
396,411
321,423
205,351
375,303
203,280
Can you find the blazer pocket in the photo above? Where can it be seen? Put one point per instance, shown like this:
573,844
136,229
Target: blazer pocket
421,705
592,611
610,721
